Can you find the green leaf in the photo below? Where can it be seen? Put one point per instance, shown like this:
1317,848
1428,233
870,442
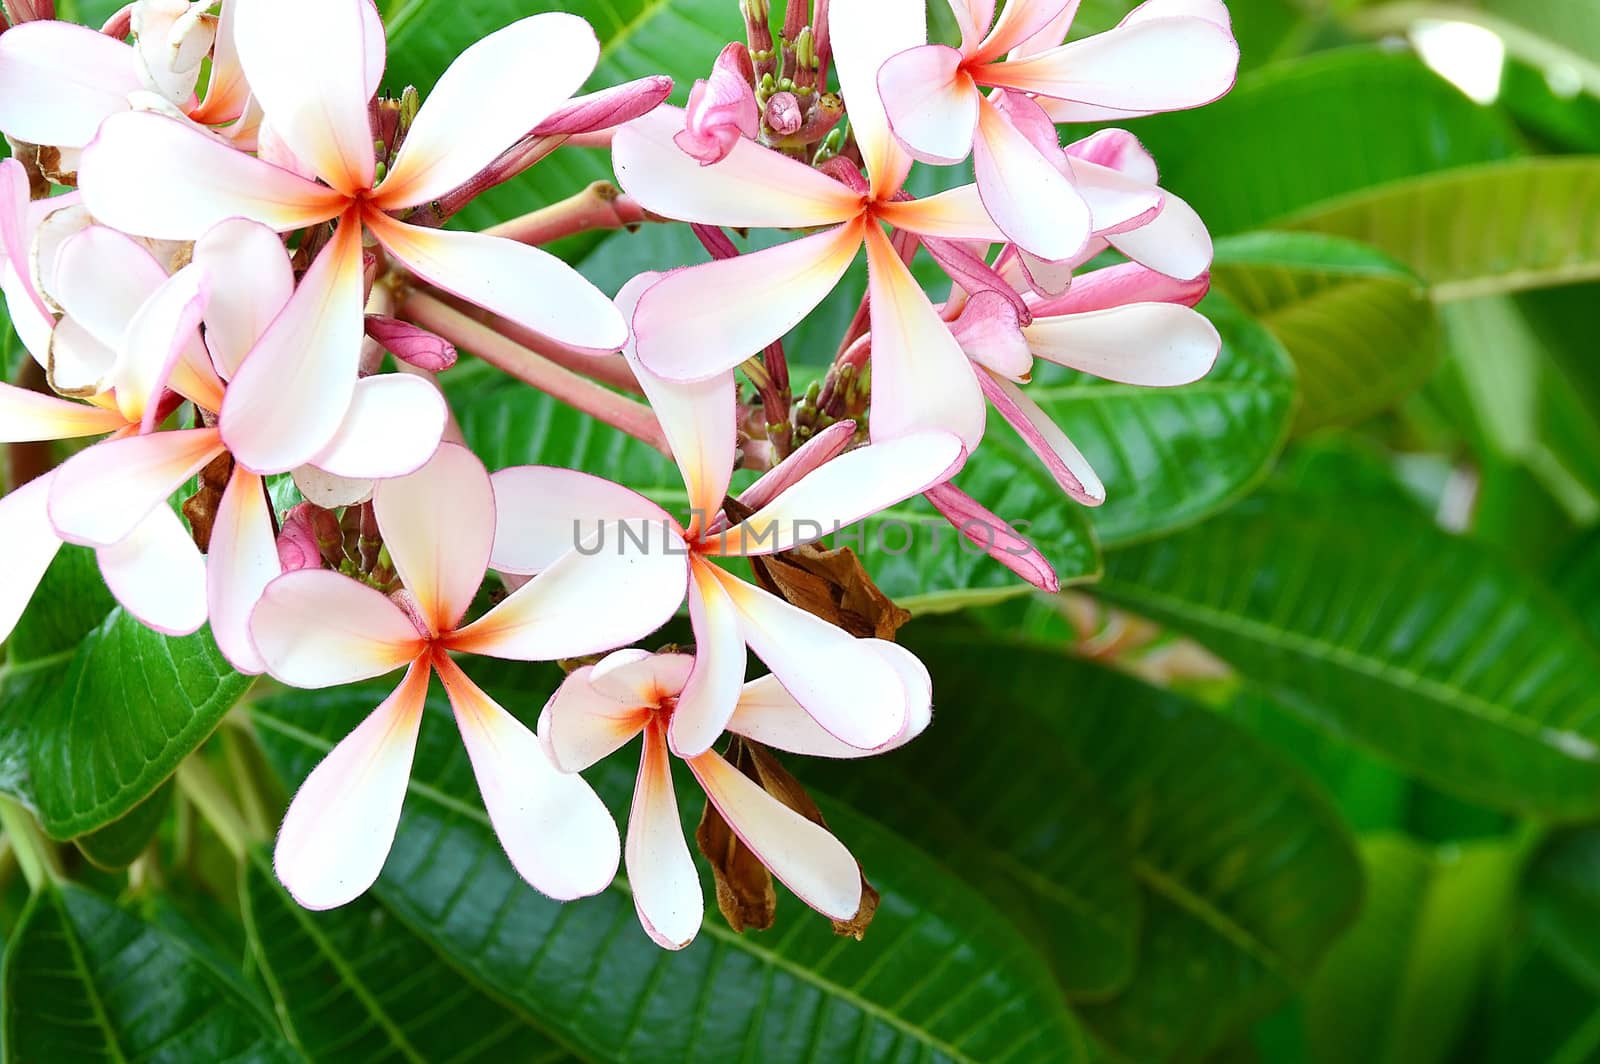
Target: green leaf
1296,133
1360,327
1577,580
1367,619
353,984
638,38
942,976
1245,871
1056,858
1480,230
1172,456
133,703
912,552
1400,986
1563,899
119,843
85,981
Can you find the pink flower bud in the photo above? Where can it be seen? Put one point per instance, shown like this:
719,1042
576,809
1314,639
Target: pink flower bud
297,541
411,343
606,108
784,115
721,110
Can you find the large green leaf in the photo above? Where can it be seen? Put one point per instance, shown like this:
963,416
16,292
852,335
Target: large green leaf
132,704
1361,328
353,985
86,981
119,843
913,553
1480,230
1399,987
942,976
638,38
1299,132
1364,617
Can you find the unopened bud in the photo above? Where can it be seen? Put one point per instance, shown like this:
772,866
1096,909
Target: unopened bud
783,114
411,344
410,104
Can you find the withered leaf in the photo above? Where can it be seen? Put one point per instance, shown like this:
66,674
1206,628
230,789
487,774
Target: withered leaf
835,586
201,507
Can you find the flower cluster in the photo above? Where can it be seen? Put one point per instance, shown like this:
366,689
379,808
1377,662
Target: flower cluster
208,278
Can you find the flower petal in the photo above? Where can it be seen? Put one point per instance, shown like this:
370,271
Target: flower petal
341,823
583,726
921,378
753,187
291,395
58,82
639,678
864,37
542,513
840,680
26,416
624,582
104,491
1164,64
1035,204
819,449
238,313
101,279
227,91
661,874
931,103
1065,462
319,108
154,176
75,362
495,92
393,426
956,214
241,561
161,348
699,420
768,713
994,537
1119,285
555,829
804,856
705,320
988,331
708,697
318,628
156,572
31,544
1153,344
1019,21
853,486
526,284
1175,242
438,525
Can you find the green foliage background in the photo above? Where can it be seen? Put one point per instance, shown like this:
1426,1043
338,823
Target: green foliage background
1304,768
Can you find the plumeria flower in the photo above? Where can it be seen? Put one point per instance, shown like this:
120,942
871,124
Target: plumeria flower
22,256
601,707
316,628
1122,323
59,81
152,176
845,683
1165,56
1170,238
702,321
238,282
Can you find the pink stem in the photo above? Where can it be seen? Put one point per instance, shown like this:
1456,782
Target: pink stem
618,411
602,205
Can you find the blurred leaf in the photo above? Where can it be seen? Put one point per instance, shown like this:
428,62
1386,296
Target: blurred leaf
1361,328
1543,1014
119,843
1576,578
353,984
1371,622
132,704
1563,899
1172,456
638,38
85,980
1299,132
942,976
1398,987
1480,230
